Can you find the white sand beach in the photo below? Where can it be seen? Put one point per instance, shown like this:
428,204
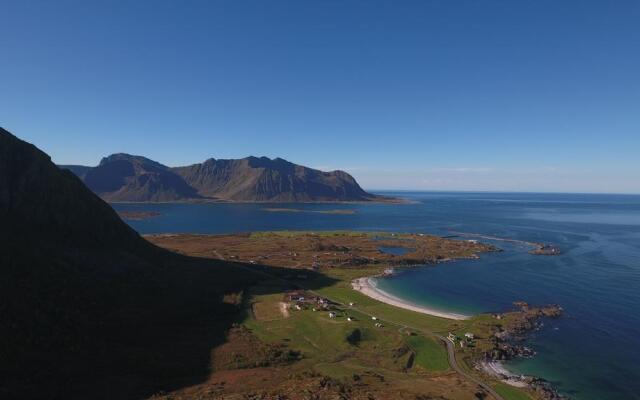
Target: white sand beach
497,369
367,287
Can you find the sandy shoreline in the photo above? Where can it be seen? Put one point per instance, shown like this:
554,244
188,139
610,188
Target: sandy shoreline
368,288
497,369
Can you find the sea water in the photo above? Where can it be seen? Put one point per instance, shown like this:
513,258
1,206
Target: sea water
592,352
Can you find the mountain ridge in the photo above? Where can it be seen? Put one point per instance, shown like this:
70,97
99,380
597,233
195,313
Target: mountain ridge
123,177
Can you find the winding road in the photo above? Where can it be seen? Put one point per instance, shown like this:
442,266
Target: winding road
454,364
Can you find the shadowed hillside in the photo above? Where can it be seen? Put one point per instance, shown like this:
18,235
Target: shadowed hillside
89,309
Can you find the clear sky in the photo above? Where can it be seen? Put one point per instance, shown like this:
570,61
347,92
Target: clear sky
530,95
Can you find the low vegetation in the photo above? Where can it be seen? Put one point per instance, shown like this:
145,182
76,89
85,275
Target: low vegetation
334,348
429,353
510,393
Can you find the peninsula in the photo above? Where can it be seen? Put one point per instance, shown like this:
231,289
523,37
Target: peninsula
329,282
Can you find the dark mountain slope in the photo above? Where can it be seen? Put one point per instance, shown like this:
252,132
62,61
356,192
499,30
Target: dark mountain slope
89,309
79,170
38,201
123,177
263,179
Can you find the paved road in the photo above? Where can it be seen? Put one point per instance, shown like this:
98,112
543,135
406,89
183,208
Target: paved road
454,364
450,346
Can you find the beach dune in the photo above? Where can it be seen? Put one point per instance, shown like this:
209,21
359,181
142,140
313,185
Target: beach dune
367,287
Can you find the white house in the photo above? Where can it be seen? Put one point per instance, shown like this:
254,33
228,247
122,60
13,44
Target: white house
332,314
469,335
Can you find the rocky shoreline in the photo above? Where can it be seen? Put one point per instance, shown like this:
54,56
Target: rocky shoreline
546,250
508,343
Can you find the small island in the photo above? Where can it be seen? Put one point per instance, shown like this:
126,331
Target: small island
545,250
137,215
299,210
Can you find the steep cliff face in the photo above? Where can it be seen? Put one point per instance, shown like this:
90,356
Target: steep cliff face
123,177
263,179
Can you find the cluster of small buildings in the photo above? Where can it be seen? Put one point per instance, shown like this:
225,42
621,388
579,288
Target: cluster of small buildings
333,314
466,341
300,300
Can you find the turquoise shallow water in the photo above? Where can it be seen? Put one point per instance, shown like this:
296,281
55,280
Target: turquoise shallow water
591,353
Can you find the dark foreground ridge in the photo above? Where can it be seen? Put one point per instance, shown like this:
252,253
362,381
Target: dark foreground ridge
89,309
124,177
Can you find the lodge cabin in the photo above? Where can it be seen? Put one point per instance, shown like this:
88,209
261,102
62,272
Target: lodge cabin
296,296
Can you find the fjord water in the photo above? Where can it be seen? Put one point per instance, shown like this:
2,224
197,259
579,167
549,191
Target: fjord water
593,352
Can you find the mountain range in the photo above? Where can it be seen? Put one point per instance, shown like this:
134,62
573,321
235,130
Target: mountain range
129,178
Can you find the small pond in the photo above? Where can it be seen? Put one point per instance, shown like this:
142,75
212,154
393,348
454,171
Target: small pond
396,251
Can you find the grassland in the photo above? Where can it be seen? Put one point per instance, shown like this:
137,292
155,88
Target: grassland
510,393
429,353
295,351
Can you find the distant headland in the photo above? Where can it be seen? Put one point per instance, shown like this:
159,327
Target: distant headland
129,178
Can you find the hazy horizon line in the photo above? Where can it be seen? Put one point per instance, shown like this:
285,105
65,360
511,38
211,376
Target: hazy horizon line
379,190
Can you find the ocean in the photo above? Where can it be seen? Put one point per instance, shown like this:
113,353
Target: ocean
592,352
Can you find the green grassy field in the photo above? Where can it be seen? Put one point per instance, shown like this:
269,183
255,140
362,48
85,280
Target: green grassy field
389,350
510,392
322,340
341,291
285,343
430,354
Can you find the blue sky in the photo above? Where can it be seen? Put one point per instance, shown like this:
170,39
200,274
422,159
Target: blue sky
436,95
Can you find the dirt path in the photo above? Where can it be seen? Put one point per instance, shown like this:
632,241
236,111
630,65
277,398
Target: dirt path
284,309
